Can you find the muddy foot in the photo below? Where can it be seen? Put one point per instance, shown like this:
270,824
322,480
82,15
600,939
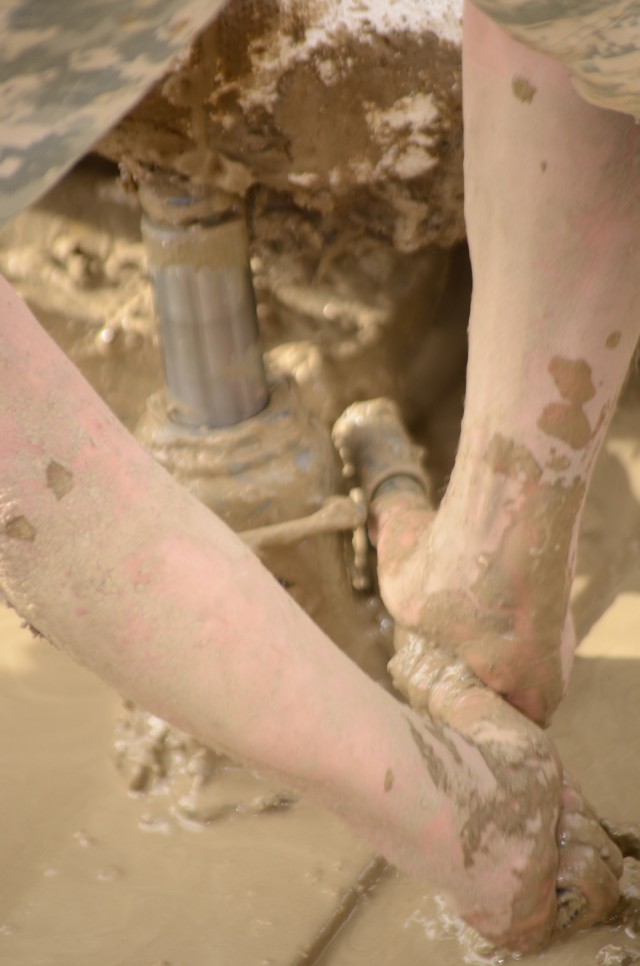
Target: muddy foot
491,587
565,868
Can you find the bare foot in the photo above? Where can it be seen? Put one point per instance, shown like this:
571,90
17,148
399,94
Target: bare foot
584,884
503,609
490,580
535,857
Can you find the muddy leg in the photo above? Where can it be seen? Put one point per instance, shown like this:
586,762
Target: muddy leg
590,863
115,563
553,215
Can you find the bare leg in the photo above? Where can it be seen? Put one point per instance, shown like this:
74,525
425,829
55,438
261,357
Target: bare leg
553,217
115,563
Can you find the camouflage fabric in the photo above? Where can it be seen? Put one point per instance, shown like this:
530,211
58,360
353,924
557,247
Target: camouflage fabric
600,43
69,69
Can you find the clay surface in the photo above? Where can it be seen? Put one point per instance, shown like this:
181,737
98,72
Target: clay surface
329,120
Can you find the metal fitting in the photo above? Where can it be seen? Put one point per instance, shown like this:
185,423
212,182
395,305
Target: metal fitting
206,307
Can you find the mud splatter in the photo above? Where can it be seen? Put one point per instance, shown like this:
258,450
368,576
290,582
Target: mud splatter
534,551
613,339
520,780
35,633
567,420
573,379
559,463
523,89
435,766
59,480
19,528
567,423
511,459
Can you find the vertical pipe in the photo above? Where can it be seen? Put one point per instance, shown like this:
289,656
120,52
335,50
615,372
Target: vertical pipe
206,307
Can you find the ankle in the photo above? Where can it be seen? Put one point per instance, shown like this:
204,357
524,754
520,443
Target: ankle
503,509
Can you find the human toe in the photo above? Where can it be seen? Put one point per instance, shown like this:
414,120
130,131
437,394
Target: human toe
588,890
578,829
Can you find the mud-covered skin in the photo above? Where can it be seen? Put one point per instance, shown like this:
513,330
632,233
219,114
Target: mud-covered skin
567,420
553,326
474,798
529,785
504,610
599,42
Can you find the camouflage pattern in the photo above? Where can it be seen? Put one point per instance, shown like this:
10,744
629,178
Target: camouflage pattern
69,70
599,42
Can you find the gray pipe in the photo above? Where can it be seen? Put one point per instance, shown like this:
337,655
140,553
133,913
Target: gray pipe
205,303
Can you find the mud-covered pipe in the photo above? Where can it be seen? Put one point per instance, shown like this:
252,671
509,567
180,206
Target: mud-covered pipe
206,307
374,444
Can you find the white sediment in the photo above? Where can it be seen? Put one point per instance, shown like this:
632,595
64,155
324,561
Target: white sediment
328,23
443,17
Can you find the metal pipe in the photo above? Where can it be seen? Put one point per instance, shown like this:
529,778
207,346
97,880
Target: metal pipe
206,307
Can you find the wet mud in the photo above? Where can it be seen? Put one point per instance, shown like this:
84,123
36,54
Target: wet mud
341,119
19,528
523,89
567,421
125,843
59,480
